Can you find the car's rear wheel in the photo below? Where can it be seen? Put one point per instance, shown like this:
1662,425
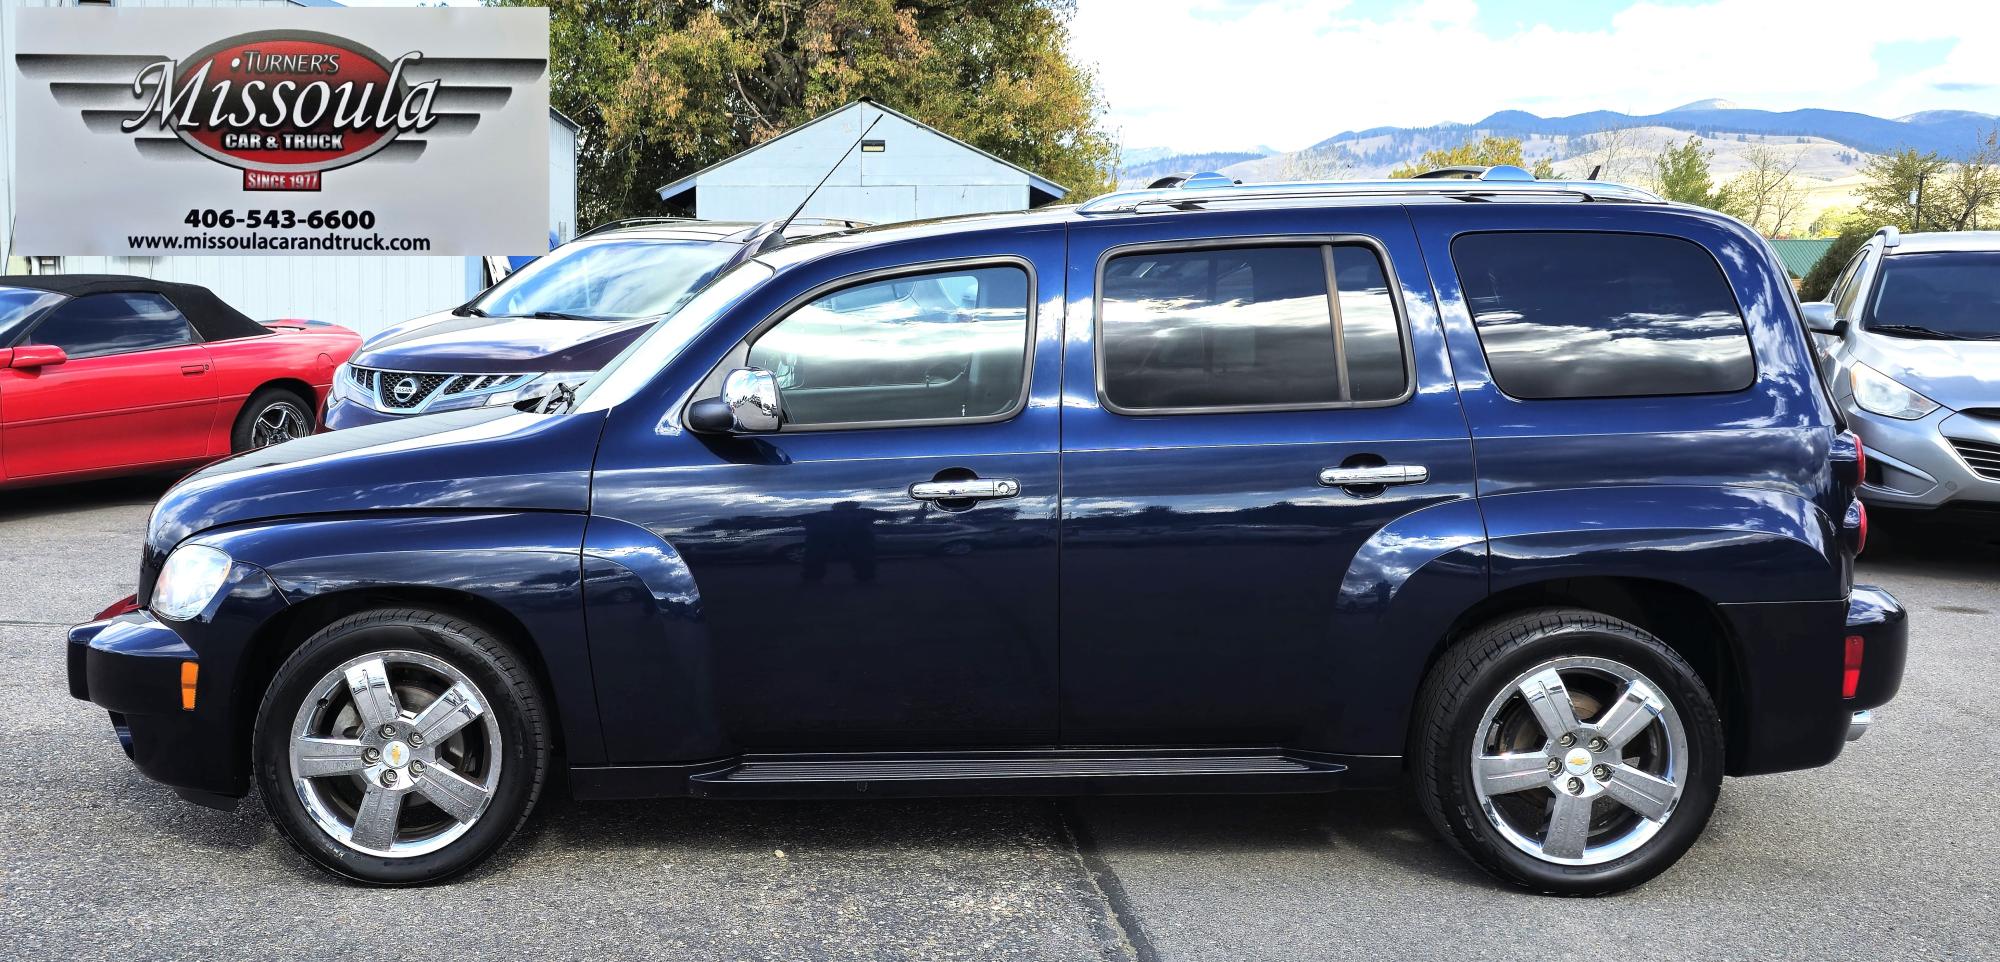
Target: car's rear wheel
1568,752
271,416
400,747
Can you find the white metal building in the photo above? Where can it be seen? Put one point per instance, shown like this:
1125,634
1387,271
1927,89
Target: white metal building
903,170
367,293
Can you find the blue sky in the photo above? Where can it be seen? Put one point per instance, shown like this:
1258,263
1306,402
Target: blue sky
1227,74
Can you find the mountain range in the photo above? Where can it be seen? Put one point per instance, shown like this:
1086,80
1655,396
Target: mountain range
1838,140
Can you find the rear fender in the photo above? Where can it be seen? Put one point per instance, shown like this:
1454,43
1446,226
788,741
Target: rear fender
1728,544
1397,602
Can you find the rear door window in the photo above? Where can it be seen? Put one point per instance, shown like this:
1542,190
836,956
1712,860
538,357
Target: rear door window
1594,315
99,324
1248,328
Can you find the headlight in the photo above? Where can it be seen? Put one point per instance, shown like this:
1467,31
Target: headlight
1878,393
189,580
542,386
344,386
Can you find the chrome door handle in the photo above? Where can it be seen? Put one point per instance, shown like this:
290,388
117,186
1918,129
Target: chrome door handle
975,489
1381,474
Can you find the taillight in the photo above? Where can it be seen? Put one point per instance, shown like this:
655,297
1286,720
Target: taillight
1850,675
1850,463
1861,535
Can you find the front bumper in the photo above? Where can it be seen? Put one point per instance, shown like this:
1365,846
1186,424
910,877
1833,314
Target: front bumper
1912,464
130,665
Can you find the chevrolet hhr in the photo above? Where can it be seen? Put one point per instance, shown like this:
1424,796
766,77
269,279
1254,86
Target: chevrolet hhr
1525,495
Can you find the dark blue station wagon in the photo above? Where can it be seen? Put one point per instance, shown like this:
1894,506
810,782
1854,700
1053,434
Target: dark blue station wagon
1525,492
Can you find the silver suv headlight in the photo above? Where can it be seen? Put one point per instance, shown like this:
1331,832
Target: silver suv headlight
189,581
1878,393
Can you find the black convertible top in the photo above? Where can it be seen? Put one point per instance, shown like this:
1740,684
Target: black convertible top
212,319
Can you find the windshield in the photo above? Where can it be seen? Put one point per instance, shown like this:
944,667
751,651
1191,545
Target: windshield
17,305
609,279
654,350
1953,296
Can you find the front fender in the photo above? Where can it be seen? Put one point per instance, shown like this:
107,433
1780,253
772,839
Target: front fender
651,648
525,564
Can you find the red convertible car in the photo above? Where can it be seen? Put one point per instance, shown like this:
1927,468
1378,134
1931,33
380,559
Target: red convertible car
106,374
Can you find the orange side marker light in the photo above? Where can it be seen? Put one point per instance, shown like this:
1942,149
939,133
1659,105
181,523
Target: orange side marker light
189,670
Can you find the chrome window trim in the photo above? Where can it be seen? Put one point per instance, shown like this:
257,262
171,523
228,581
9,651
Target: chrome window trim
738,353
1325,242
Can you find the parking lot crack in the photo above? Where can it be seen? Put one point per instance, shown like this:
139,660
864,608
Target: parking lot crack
1124,935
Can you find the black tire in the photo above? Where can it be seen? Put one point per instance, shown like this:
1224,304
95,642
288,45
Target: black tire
244,436
1450,719
508,692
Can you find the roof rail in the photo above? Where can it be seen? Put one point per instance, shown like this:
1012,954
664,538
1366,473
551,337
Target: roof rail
1506,172
636,222
1192,198
847,222
1206,178
1891,237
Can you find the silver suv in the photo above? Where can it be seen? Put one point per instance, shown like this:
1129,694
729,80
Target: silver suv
1911,336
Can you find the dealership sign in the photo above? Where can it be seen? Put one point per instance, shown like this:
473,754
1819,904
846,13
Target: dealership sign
275,131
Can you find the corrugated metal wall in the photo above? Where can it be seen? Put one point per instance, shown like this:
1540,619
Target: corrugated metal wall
366,293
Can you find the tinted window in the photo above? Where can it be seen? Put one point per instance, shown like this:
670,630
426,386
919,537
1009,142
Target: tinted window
17,307
1957,295
98,324
1849,290
946,345
616,280
1248,327
1579,315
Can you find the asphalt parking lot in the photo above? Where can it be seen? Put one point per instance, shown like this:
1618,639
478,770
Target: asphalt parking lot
1891,853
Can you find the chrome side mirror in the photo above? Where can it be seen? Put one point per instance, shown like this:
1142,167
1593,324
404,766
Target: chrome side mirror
1820,319
749,404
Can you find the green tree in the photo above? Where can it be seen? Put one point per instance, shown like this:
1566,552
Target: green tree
1971,190
1680,173
1889,186
662,88
1818,282
1484,152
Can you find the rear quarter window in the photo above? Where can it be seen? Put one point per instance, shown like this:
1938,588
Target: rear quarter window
1596,315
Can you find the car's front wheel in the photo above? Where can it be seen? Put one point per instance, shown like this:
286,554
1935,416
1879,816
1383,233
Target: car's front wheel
1568,752
399,747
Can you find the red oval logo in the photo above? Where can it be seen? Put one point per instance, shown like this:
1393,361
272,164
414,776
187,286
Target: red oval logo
285,101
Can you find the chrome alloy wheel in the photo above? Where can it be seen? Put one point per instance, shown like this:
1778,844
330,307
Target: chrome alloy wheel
387,759
279,421
1579,761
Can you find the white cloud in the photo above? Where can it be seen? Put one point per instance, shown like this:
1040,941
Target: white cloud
1220,74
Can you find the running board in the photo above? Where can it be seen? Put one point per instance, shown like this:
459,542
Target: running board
1093,772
